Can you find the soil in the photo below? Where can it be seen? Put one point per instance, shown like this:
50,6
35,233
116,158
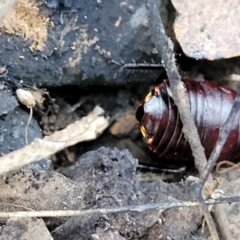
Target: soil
115,170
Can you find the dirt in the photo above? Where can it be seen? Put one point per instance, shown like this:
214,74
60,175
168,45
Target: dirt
103,177
117,169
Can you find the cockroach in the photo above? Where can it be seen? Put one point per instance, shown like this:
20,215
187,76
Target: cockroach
210,105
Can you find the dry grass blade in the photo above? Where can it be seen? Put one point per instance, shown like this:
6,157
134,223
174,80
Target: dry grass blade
88,128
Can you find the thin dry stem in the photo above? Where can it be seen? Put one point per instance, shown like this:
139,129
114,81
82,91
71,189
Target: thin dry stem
28,122
134,208
165,48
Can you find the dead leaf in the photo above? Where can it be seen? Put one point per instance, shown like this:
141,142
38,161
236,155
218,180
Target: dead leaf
38,96
125,125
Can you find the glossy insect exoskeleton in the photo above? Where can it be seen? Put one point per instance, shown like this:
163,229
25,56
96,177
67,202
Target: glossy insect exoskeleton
210,103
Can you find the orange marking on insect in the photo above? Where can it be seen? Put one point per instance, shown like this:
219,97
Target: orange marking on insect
148,97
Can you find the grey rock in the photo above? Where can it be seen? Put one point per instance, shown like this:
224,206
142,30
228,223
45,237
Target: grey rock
83,31
8,101
12,134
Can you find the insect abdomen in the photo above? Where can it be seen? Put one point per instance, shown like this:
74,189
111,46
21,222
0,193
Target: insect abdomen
210,106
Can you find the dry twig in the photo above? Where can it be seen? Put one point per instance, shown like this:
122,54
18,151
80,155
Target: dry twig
162,206
88,128
165,47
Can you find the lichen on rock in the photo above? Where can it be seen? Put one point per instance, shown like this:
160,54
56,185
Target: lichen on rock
25,20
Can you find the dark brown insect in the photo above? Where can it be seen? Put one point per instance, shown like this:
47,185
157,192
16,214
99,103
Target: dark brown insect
210,106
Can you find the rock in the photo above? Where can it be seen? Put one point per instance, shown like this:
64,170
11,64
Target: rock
25,229
109,177
105,178
12,134
109,235
8,102
74,36
229,186
212,33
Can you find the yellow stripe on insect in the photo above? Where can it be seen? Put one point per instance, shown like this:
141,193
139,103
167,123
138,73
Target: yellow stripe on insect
148,97
143,131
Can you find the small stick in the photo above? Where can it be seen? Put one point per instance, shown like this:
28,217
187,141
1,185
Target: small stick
165,47
137,65
162,206
28,122
87,128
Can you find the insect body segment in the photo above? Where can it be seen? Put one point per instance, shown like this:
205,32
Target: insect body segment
210,104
